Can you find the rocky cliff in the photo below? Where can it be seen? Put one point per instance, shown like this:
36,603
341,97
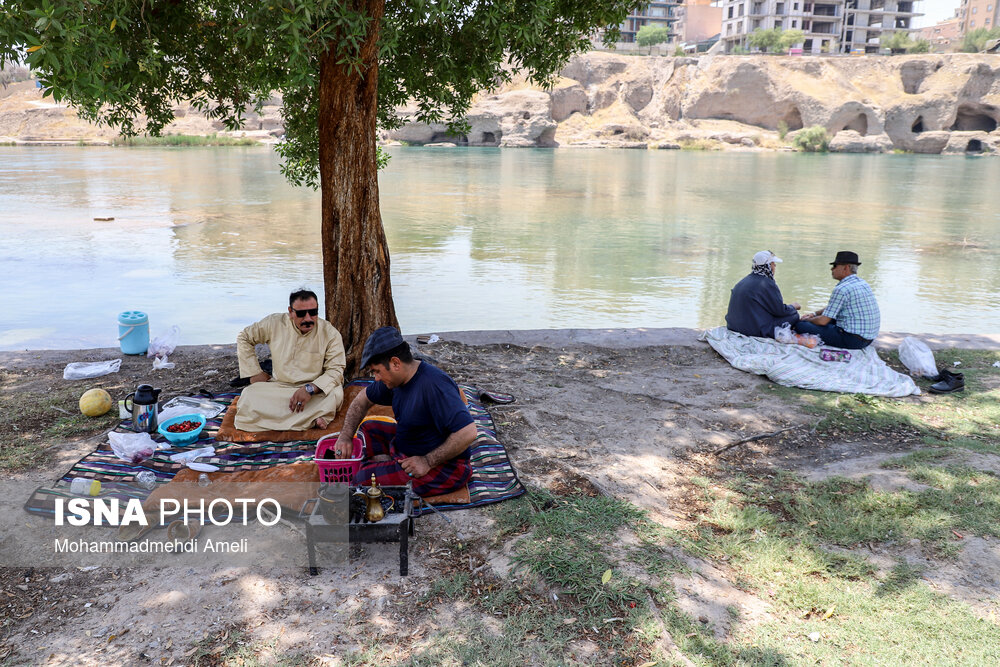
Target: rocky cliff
27,117
925,104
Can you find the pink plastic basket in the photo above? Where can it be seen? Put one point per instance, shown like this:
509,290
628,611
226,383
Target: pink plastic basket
337,470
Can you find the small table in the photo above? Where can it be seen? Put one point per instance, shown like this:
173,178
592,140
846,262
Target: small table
396,526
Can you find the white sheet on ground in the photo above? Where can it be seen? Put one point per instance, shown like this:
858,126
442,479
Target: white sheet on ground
798,366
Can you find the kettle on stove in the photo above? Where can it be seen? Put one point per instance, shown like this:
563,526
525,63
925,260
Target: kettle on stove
144,408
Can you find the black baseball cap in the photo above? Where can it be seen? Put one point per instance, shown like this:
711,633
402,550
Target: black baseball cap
381,341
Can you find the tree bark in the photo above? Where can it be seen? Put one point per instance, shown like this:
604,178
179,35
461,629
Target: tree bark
355,253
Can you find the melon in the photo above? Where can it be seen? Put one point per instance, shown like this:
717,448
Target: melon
95,402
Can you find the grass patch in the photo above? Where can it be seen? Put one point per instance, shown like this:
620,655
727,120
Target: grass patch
55,414
972,415
186,140
699,145
775,532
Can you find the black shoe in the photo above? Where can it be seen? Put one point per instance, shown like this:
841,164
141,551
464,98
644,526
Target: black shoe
941,374
266,366
949,382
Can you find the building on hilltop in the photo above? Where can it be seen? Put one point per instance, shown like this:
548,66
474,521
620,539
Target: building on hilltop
867,21
661,14
698,21
830,26
944,36
975,14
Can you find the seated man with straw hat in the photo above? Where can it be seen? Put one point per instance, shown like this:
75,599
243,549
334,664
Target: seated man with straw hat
308,365
429,441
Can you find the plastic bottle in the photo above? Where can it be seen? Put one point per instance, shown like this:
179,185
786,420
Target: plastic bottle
81,486
203,480
146,479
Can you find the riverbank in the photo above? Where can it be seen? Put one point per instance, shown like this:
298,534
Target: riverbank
843,528
933,103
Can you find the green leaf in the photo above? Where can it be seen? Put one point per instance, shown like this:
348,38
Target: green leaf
606,577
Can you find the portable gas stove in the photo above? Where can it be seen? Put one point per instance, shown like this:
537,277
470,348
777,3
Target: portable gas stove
396,526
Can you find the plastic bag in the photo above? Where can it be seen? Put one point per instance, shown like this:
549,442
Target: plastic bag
188,459
784,334
161,363
917,357
163,346
81,370
131,447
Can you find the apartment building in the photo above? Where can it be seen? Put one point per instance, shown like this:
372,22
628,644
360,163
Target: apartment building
943,36
830,26
650,13
866,21
975,14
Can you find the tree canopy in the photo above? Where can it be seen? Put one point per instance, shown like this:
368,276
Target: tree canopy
774,39
650,35
343,67
975,40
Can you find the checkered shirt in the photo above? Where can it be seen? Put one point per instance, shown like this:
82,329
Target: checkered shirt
853,305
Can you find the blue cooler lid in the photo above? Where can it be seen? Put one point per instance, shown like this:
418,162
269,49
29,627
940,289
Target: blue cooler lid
131,318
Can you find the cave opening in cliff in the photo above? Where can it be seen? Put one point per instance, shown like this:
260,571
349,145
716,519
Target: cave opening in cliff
918,125
488,138
859,125
793,119
973,120
448,137
974,146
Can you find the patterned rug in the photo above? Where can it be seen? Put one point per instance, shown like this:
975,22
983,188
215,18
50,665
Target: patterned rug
493,476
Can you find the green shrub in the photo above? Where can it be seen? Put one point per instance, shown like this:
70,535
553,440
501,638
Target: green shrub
782,129
812,140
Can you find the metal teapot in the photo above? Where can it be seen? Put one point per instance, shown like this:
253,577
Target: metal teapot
374,511
143,408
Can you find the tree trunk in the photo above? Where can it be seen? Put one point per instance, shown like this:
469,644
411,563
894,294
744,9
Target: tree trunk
355,253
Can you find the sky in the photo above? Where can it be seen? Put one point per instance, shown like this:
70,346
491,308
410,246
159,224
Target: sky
935,11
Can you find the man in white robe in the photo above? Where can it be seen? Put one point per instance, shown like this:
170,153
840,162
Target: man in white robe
308,359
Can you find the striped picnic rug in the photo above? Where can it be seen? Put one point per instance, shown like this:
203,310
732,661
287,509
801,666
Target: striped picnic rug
799,366
493,475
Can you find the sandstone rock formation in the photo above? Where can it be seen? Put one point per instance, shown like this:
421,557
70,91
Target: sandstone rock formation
27,117
924,104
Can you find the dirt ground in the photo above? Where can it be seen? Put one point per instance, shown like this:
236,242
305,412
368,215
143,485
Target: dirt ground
634,422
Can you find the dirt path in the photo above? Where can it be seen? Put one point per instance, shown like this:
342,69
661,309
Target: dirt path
633,421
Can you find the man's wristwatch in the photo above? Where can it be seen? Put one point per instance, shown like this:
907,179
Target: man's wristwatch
310,389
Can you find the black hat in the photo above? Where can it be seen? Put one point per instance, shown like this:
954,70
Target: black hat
381,341
846,257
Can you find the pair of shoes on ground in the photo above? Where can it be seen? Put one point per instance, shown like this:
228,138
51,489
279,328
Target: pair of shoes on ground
946,382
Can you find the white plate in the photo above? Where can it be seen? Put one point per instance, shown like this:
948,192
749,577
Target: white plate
202,467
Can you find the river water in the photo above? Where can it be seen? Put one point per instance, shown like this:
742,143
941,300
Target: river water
211,239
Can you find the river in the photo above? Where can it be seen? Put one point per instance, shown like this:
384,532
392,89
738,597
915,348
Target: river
211,239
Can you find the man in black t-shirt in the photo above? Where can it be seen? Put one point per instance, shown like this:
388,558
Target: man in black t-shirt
429,443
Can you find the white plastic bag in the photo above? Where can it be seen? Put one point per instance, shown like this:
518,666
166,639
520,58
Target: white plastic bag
81,370
161,363
917,357
188,459
784,334
163,346
131,447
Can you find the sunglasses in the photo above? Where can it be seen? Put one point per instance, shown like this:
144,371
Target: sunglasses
306,311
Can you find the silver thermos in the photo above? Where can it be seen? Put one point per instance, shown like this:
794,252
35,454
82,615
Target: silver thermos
143,408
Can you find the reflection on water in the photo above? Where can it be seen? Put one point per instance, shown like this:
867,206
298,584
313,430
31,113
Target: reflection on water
211,239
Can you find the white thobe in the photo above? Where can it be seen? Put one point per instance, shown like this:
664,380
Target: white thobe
316,357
